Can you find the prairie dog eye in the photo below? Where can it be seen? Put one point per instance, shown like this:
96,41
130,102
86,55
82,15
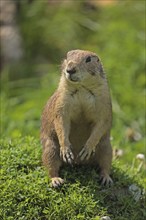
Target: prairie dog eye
88,59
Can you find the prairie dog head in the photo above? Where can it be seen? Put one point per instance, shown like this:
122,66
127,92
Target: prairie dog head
82,66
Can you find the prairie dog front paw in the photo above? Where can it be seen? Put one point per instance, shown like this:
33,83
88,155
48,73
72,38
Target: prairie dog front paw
106,180
56,182
67,155
86,152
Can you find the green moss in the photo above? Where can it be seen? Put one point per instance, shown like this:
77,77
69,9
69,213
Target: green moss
26,194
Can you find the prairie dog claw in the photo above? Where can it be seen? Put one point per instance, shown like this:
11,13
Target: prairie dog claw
106,180
86,152
56,182
67,155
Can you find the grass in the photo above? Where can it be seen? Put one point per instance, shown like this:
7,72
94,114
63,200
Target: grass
116,33
25,191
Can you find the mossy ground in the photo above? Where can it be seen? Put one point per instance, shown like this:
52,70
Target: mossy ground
26,193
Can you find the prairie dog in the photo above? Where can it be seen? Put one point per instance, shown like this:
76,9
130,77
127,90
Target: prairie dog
77,119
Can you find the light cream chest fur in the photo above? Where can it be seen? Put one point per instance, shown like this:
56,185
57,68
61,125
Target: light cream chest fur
83,103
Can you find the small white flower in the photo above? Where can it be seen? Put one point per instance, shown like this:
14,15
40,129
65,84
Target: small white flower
105,218
140,156
118,153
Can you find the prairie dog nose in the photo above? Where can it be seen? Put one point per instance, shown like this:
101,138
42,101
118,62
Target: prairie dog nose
71,70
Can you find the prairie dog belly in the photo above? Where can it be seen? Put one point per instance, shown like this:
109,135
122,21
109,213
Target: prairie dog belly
79,133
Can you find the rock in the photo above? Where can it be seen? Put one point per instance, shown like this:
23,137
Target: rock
135,191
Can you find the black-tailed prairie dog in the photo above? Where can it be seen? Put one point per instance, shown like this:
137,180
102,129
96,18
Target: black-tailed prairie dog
76,120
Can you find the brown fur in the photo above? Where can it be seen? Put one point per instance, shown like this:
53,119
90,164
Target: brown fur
77,119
